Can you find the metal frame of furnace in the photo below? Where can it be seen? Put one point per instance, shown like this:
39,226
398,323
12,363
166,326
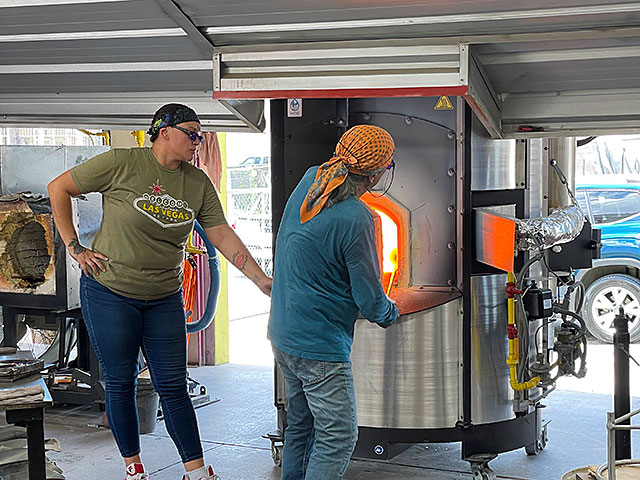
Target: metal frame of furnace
453,352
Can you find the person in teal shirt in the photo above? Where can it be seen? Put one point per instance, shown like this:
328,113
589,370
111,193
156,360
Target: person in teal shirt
327,273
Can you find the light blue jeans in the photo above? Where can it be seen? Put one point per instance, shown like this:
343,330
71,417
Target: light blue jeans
321,414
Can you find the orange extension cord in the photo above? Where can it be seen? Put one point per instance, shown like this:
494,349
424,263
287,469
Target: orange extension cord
189,285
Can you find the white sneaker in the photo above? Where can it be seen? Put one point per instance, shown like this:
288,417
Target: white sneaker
210,475
135,471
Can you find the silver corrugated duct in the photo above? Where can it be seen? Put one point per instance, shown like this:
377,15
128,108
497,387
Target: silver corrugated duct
562,226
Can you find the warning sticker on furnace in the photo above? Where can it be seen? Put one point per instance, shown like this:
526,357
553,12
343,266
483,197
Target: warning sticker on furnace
443,104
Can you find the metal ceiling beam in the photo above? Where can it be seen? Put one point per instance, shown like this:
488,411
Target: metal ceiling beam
336,71
510,58
227,123
117,110
93,35
477,39
360,71
537,14
184,22
42,3
252,112
483,99
107,67
561,114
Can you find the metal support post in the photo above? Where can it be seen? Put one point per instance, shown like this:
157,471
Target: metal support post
62,346
33,420
622,399
10,318
611,444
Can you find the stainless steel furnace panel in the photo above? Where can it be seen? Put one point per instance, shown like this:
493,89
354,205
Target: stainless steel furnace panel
409,375
493,165
424,181
491,396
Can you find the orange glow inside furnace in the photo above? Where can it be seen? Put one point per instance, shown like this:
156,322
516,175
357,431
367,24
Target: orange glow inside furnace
392,240
388,243
392,236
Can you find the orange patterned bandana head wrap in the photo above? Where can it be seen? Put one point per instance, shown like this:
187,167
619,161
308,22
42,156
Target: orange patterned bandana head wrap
363,150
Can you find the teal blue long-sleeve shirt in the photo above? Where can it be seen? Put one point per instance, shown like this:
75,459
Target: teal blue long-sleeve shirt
326,271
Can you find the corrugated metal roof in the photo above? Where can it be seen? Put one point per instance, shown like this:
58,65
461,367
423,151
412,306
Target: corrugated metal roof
83,62
549,52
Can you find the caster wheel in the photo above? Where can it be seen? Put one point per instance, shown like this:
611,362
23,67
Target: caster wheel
276,454
480,466
484,474
538,446
534,448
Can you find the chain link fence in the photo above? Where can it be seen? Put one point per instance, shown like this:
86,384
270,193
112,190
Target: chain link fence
249,212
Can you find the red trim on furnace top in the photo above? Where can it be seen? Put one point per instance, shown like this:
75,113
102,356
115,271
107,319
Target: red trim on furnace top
343,93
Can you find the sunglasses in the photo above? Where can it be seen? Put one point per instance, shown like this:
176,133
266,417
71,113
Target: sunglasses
193,136
391,165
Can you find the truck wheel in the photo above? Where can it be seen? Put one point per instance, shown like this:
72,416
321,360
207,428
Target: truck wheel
602,301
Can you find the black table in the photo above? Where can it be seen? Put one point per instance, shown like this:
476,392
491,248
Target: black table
31,416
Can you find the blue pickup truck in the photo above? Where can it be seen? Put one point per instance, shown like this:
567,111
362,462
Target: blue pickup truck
614,279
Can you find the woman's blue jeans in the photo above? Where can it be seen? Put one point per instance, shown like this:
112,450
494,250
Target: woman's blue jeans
321,414
118,327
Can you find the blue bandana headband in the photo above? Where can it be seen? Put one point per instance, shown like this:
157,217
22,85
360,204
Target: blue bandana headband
180,114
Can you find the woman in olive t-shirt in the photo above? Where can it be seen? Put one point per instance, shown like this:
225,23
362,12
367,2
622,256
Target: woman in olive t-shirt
131,288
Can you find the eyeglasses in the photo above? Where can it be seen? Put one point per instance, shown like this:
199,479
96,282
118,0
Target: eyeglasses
193,136
388,180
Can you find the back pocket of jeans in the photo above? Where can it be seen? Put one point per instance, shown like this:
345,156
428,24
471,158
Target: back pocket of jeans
310,371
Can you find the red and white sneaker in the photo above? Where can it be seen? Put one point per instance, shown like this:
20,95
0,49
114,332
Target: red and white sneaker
209,476
135,471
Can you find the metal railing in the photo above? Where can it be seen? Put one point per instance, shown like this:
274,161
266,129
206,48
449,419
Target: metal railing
614,424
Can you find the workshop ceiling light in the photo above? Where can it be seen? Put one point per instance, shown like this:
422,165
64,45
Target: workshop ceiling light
107,67
41,3
93,35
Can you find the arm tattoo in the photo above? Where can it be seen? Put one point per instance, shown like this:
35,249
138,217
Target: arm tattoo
77,248
239,260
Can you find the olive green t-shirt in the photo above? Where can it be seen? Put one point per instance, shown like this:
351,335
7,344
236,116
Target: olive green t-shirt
148,213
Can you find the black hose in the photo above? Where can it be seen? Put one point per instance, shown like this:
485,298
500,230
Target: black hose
581,290
584,141
525,267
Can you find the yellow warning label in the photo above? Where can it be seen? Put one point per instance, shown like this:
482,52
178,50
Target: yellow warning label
443,104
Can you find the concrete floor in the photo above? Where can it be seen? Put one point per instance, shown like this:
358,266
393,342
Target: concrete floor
232,428
231,431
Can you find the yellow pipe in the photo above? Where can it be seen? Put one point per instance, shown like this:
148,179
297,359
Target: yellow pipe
105,135
191,248
514,343
139,136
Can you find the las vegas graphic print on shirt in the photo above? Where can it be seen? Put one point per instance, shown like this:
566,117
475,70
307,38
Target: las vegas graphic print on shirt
163,209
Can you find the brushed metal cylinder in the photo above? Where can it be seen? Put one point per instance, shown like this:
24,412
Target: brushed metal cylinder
410,375
491,396
563,151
